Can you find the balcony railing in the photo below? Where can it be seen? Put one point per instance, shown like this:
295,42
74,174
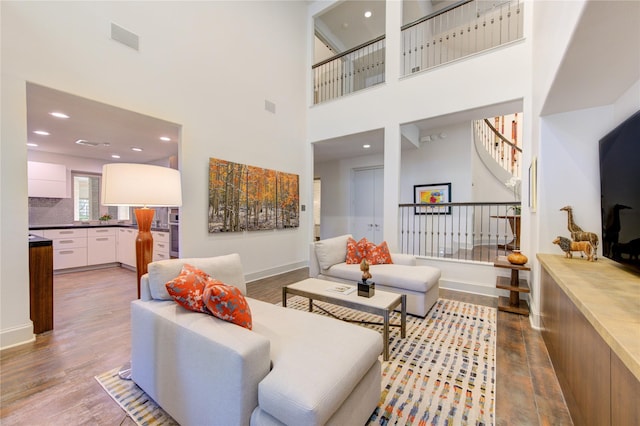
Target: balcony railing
462,29
460,231
350,71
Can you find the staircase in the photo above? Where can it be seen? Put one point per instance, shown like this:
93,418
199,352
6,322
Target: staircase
500,153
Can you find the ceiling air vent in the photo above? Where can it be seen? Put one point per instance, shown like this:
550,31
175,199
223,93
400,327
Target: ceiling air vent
86,143
125,37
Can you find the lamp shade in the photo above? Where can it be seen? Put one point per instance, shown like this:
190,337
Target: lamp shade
125,184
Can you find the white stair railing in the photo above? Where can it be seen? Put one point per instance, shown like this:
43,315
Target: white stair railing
460,30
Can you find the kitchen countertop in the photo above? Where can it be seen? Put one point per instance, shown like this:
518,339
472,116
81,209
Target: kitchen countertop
35,241
608,296
94,225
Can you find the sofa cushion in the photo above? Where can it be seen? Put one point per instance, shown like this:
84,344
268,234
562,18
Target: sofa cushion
317,362
227,269
227,303
355,251
378,254
414,278
187,288
331,251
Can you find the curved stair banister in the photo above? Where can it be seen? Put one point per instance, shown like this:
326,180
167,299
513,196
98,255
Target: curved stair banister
501,156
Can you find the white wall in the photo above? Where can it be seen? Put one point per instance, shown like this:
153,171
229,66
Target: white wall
208,66
569,169
336,195
440,161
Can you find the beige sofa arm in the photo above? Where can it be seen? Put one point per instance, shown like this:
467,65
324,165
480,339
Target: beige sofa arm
314,266
403,259
145,292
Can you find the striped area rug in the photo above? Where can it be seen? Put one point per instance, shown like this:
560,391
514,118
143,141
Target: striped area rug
442,373
138,406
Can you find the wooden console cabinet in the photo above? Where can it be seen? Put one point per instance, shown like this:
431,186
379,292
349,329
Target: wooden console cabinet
591,325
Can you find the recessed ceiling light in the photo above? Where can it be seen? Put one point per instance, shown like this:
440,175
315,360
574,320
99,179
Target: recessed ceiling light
136,149
41,132
31,144
366,146
59,114
115,156
165,138
87,143
368,14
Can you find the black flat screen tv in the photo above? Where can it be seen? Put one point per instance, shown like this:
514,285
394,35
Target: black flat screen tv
620,192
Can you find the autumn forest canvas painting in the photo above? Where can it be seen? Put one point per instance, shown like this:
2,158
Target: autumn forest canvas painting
248,198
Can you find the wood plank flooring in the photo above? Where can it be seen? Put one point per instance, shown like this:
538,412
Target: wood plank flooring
51,381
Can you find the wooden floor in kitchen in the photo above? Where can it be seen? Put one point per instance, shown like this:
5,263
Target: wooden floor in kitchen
51,381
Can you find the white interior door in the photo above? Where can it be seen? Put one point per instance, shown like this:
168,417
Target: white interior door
367,199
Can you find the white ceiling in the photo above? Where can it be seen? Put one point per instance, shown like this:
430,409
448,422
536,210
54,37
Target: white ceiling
584,79
344,26
96,122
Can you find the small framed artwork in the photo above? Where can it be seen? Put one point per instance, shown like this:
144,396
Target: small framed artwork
533,185
436,193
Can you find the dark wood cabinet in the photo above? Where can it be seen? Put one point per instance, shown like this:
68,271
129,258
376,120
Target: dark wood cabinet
41,284
598,388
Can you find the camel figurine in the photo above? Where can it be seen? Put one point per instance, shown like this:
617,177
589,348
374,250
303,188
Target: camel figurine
577,234
568,246
364,267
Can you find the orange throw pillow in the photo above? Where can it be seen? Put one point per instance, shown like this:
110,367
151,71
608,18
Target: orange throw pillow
355,252
188,287
377,255
227,303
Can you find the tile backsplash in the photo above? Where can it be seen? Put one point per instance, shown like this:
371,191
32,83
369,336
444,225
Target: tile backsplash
50,211
59,211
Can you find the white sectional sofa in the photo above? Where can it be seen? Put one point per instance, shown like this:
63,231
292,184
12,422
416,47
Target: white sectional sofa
292,368
327,260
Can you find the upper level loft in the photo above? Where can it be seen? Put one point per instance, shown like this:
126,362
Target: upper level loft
350,49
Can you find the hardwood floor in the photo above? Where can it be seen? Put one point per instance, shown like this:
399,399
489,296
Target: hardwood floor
51,381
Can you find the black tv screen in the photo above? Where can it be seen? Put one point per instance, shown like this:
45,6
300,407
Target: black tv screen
620,192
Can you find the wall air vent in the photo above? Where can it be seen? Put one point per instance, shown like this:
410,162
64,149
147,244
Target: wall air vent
86,143
125,37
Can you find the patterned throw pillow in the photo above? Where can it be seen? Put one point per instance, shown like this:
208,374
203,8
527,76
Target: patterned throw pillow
377,255
227,303
355,251
188,287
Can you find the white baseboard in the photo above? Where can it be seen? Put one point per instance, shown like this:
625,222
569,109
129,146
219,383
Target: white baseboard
15,336
471,288
275,271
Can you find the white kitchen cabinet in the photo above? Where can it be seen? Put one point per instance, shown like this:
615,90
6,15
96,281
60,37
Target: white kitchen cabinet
160,245
69,247
47,180
101,245
126,250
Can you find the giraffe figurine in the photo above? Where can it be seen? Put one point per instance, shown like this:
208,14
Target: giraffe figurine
577,234
571,225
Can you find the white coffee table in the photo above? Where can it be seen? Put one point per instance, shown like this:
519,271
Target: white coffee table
382,303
